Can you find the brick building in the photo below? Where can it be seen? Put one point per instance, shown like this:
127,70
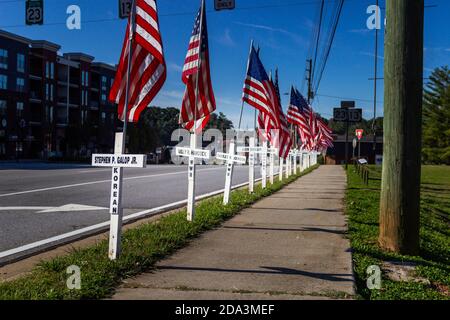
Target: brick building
53,105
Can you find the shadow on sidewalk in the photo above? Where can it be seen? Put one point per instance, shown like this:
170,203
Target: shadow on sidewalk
340,277
303,229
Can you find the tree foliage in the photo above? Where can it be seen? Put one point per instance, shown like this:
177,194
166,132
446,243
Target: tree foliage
436,118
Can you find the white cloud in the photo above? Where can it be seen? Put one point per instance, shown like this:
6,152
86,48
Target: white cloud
175,67
226,39
297,38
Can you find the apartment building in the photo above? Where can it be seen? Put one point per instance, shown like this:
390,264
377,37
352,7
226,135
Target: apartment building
53,105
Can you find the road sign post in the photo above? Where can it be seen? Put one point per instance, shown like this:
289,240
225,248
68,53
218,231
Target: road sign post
192,154
117,162
359,135
347,113
231,158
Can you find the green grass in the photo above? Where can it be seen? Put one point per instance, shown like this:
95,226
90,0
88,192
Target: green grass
142,248
362,203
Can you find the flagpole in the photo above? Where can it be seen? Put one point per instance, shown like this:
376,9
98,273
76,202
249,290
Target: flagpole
193,142
248,67
130,52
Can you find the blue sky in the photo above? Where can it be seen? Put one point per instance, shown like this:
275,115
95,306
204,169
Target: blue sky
282,28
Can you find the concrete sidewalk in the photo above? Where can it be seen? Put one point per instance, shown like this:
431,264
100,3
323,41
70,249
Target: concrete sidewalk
290,245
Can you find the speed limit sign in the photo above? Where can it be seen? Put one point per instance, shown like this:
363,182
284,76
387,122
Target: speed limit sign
34,12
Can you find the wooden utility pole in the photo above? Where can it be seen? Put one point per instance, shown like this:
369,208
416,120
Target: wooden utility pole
403,73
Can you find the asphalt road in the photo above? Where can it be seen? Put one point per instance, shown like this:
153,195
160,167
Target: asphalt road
27,190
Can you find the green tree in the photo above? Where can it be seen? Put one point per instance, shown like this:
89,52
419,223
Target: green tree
436,118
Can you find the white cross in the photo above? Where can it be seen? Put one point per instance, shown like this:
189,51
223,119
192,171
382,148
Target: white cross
117,162
192,153
231,158
251,149
272,153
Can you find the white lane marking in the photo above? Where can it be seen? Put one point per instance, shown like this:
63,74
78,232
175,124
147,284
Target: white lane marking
93,171
105,224
72,208
97,182
24,208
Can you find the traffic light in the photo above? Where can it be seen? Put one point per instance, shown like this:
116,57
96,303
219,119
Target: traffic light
34,12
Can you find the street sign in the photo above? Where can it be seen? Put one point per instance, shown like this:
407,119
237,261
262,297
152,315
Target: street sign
340,114
125,7
34,12
355,115
347,104
351,115
224,4
119,160
359,133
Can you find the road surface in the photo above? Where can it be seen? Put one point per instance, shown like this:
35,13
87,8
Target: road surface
40,201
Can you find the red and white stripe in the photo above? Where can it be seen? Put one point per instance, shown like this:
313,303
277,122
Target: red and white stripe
198,103
148,67
198,125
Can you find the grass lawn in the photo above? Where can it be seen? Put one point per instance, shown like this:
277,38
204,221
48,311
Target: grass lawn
362,204
142,247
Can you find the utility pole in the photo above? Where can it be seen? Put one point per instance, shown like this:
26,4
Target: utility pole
309,79
403,73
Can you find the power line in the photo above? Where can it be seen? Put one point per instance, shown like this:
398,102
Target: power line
329,45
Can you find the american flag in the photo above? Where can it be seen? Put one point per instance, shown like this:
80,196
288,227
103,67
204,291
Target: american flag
284,135
148,67
325,135
298,114
257,87
196,70
198,125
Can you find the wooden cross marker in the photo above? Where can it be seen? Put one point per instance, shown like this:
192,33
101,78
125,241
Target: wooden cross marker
231,158
280,170
264,165
251,150
117,162
294,160
192,153
272,153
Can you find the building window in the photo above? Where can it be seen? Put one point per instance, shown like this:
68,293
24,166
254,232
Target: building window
82,78
47,92
104,83
20,62
86,80
19,108
20,84
112,118
103,117
49,70
3,59
3,108
51,92
2,149
3,82
103,97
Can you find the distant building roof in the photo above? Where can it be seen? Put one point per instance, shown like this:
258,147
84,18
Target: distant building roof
104,66
79,56
43,44
15,37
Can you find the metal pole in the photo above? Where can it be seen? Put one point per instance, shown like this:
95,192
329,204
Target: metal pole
346,142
